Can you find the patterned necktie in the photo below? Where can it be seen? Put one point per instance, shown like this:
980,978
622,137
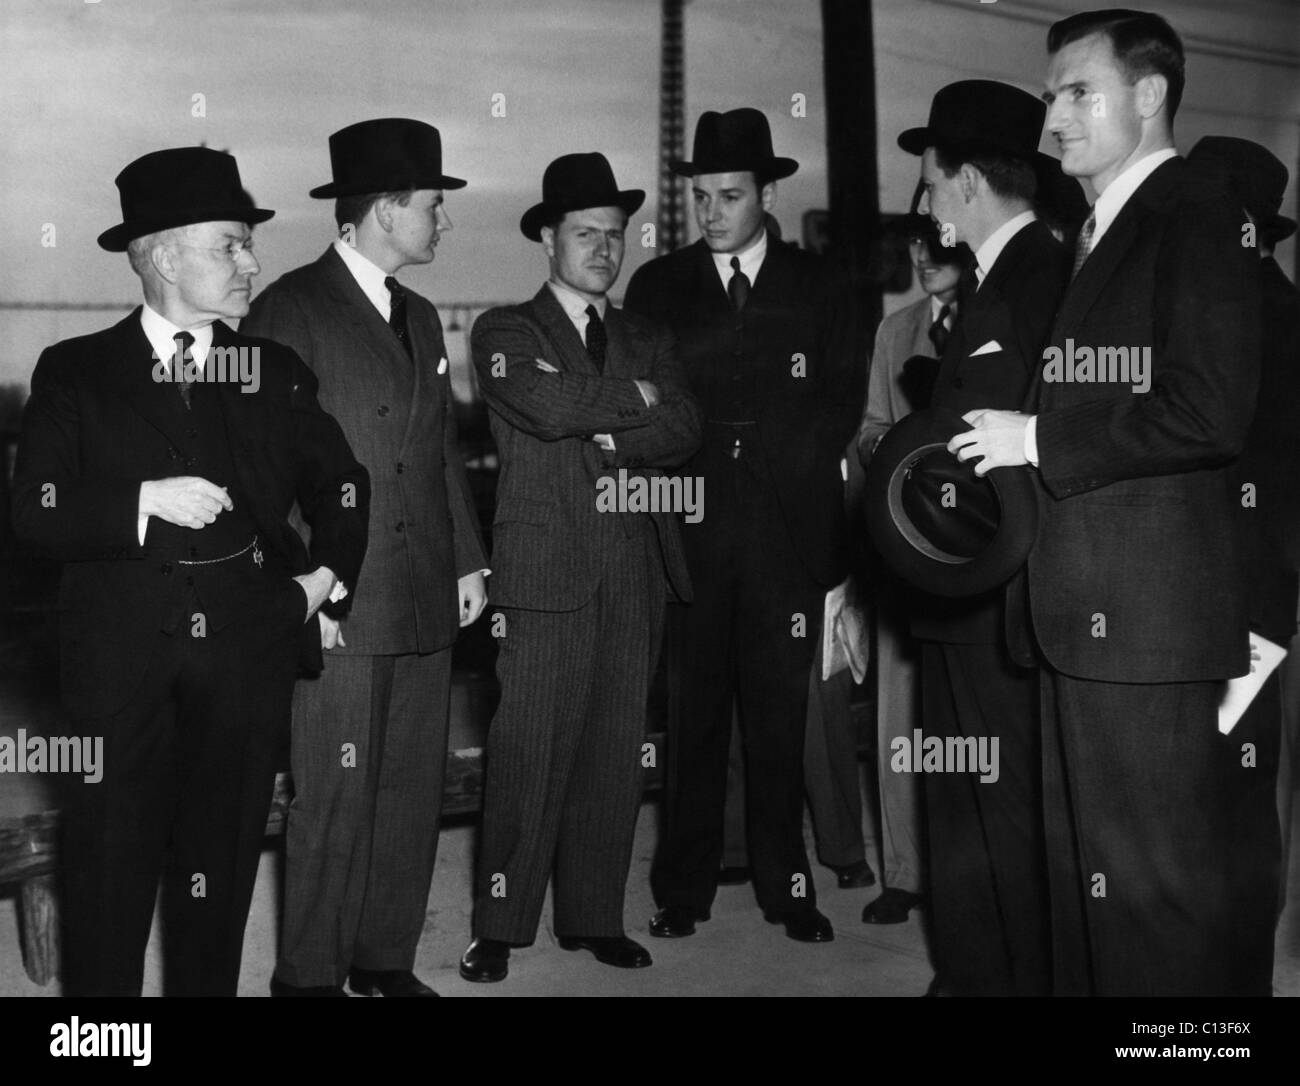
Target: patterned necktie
1084,246
738,288
597,338
939,331
397,313
180,377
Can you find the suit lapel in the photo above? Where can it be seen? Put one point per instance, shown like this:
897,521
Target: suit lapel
356,312
130,353
562,333
626,346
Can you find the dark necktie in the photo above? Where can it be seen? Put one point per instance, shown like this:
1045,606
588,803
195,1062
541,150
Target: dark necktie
738,288
597,338
184,341
1084,244
397,313
939,331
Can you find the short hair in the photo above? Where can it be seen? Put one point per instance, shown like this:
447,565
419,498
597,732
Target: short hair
1008,176
1143,44
352,209
138,249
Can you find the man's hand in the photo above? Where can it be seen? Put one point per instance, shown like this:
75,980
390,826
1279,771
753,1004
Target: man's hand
998,436
318,585
331,633
473,597
648,391
185,500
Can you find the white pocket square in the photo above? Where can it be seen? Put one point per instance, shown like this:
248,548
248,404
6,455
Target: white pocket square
988,348
442,365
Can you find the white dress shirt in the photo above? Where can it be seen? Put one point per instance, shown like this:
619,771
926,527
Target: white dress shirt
750,261
369,276
575,306
987,254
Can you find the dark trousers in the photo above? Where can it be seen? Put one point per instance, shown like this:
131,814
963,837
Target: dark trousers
369,754
988,880
749,634
564,753
1135,808
830,772
188,769
1250,761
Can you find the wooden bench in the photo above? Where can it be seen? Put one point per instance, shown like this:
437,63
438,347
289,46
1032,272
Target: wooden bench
29,851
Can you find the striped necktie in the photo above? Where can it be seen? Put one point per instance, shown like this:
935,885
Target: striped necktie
1084,246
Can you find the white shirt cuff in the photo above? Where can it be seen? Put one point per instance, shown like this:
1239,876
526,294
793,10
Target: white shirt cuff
1031,441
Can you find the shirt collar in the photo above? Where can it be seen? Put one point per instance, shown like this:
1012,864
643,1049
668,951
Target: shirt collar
1111,202
987,254
750,260
369,276
936,307
161,334
574,304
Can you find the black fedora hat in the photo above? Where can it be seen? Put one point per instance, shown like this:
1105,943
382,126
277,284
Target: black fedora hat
734,142
976,115
935,523
1255,174
179,186
575,182
391,154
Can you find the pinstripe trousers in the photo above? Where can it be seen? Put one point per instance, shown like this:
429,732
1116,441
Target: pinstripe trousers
563,774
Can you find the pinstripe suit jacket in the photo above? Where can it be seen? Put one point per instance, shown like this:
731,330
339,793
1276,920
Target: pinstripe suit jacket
399,419
549,539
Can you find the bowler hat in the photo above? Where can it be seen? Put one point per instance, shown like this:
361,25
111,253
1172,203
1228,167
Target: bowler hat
391,154
179,186
734,142
1255,174
977,115
575,182
934,521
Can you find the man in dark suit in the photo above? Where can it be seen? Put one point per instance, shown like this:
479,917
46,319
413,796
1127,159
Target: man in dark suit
370,733
159,461
767,344
1266,489
588,405
1144,398
980,168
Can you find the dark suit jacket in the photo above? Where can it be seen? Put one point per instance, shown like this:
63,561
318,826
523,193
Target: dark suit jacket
549,538
399,417
97,426
798,320
1135,514
1013,307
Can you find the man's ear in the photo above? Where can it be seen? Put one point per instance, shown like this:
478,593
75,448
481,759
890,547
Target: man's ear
382,210
970,181
768,196
1150,93
548,241
165,260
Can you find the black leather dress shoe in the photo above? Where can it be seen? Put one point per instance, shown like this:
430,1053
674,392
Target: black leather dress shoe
616,950
485,961
390,983
806,925
854,876
675,922
281,990
891,907
734,876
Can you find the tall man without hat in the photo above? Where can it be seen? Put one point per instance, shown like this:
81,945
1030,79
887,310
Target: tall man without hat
767,343
159,462
1144,398
370,733
1266,488
980,168
588,403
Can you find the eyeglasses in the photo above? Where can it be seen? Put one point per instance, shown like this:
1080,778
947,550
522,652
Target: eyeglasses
232,251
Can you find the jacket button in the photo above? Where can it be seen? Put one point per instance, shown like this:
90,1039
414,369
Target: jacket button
401,525
190,461
383,410
400,467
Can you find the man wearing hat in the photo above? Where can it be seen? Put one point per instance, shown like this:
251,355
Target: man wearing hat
370,733
1134,580
581,395
159,462
767,343
980,167
1267,476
